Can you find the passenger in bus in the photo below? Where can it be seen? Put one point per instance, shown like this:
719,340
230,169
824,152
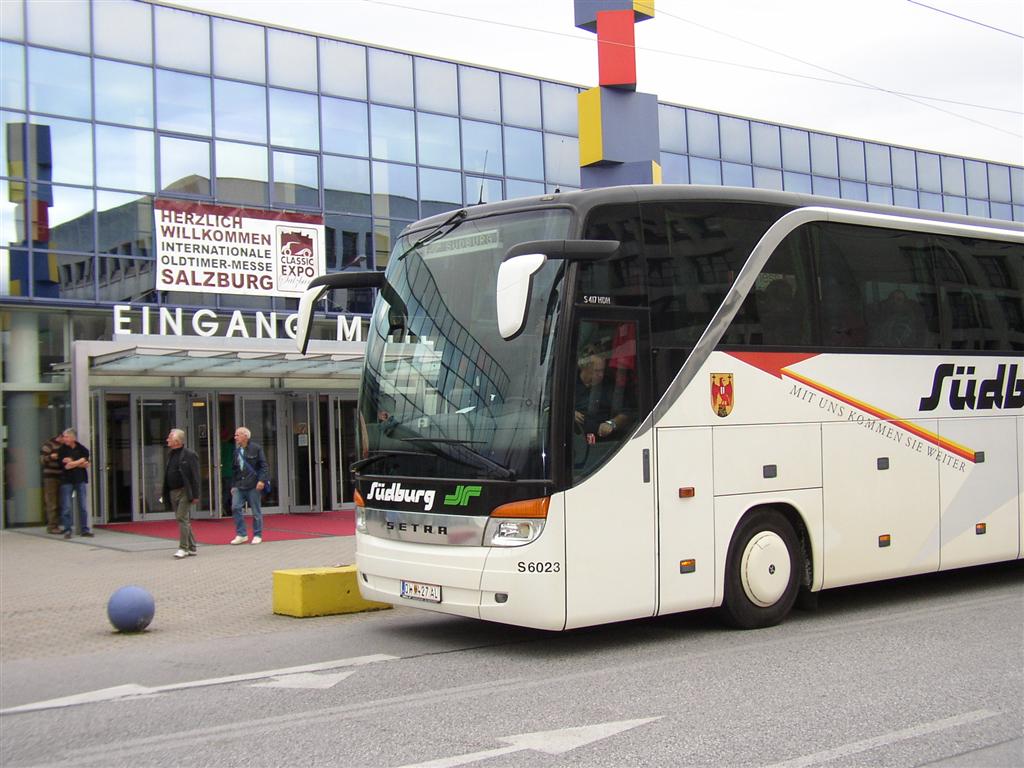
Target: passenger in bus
899,322
781,320
597,416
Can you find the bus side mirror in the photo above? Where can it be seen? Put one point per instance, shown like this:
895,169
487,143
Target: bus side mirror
318,286
513,292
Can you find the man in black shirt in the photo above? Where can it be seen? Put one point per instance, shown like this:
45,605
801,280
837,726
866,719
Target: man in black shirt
181,488
74,479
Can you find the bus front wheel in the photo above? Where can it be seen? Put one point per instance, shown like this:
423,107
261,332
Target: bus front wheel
763,568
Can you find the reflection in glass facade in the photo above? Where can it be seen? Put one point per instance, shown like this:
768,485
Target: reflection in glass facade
169,102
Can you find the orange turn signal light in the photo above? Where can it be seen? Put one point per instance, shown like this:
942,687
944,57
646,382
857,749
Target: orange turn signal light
530,508
885,540
357,497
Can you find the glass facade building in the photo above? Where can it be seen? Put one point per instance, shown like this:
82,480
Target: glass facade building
108,106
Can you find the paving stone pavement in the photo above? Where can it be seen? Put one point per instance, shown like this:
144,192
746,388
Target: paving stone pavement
54,592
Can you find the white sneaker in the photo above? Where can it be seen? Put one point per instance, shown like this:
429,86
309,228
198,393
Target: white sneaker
180,554
256,540
239,540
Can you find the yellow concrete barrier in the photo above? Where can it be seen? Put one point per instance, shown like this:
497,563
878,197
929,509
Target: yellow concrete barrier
306,592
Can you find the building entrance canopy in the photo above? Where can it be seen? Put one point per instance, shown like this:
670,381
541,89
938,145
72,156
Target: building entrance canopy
152,361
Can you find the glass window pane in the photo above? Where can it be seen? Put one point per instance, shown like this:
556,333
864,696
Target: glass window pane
12,75
672,128
524,153
851,159
953,204
438,140
346,184
440,191
704,171
479,94
561,159
70,217
796,182
674,169
796,150
15,143
1001,211
560,111
824,156
953,182
59,83
14,21
185,166
391,78
767,145
702,135
768,178
345,129
294,120
183,102
348,246
977,208
737,175
58,23
182,39
928,177
999,183
124,158
123,278
825,186
70,151
877,194
930,201
480,189
481,148
904,168
241,172
1017,184
239,51
437,86
292,59
852,190
296,179
520,101
977,179
392,131
123,30
124,93
879,169
240,111
394,191
124,227
342,69
904,197
735,139
517,188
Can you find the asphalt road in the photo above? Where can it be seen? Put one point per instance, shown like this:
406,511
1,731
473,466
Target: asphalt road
921,672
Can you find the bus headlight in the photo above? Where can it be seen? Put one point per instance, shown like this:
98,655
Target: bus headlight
516,524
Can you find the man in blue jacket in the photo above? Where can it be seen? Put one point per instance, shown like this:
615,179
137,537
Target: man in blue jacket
247,484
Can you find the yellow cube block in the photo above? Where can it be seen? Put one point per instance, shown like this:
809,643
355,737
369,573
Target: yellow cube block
307,592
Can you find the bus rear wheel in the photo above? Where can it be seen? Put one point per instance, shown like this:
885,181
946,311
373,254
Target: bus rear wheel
763,569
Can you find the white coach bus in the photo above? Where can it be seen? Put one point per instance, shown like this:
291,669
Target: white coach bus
626,402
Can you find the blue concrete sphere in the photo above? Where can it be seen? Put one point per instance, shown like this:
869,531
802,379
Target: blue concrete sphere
130,609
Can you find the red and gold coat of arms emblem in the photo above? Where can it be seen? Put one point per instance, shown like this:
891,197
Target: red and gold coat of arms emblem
722,396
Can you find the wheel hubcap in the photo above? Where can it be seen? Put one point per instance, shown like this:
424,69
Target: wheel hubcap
765,569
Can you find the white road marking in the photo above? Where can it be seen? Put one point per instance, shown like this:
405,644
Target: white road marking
888,738
132,690
306,680
550,742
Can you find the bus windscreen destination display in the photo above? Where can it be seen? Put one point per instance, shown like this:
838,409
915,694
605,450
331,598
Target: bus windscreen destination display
203,248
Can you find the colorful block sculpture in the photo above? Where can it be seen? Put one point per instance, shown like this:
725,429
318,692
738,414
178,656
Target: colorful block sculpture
619,141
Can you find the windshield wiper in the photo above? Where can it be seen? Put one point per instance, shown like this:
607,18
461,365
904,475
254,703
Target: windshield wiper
435,443
355,466
439,231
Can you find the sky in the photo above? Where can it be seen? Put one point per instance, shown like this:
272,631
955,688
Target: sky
941,75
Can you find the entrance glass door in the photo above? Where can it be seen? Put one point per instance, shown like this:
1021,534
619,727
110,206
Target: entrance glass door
304,478
155,416
260,415
201,437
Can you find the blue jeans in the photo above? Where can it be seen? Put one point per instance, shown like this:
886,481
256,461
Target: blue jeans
81,490
238,499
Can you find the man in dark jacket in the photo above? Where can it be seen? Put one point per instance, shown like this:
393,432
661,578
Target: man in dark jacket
181,488
251,475
52,471
74,482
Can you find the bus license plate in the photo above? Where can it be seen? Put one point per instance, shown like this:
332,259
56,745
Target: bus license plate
414,590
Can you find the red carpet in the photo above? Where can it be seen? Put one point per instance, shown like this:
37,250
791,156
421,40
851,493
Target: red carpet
275,527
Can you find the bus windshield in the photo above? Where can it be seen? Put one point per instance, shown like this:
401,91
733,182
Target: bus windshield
443,394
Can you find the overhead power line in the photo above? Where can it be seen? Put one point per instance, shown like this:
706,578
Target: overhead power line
964,18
